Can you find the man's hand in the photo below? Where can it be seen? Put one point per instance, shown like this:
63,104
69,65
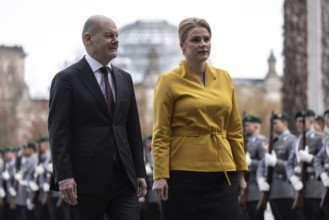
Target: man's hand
141,187
305,156
68,190
270,159
325,179
263,185
248,158
160,188
296,183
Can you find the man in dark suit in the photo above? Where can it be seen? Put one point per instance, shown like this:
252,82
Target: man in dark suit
94,131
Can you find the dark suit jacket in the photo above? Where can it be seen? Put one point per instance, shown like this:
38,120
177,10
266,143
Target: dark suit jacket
81,130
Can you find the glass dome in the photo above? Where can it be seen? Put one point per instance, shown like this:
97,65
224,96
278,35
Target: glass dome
138,40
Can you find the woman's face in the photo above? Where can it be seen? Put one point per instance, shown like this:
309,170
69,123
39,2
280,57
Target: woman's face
197,45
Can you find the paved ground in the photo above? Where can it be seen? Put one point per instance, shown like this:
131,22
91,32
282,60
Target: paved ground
268,213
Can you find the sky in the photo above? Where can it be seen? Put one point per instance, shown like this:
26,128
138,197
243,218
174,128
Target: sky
244,32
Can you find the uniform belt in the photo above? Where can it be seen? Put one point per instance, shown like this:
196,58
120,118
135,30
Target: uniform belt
308,169
195,132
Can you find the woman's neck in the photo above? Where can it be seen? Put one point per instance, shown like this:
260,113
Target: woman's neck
198,69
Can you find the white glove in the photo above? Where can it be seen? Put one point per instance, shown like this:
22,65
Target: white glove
50,168
45,187
263,185
5,175
29,204
296,183
270,159
12,191
148,168
248,158
305,156
297,169
18,176
33,186
23,182
39,169
2,193
325,179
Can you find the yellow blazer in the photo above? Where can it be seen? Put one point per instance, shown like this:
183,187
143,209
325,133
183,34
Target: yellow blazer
196,127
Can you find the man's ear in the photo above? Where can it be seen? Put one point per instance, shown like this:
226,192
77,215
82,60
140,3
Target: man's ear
87,37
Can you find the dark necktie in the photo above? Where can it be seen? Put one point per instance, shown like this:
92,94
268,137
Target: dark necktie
110,106
108,89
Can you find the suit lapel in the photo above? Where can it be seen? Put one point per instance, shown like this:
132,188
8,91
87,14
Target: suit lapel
118,83
87,78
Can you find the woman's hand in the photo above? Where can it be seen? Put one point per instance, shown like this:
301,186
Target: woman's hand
160,188
242,184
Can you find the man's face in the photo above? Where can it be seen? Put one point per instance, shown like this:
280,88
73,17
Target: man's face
326,120
279,126
28,151
9,155
43,146
250,128
299,123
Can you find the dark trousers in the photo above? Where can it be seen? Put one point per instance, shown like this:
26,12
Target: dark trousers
9,212
42,211
281,209
22,213
118,202
200,196
58,209
253,212
312,209
243,213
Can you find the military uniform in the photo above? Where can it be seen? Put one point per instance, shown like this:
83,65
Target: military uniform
313,189
281,192
321,166
256,150
43,179
2,190
27,187
9,183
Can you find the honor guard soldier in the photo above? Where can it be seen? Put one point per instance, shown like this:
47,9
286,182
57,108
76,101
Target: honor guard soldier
319,124
326,122
255,152
321,165
42,178
27,187
280,191
2,190
300,169
8,176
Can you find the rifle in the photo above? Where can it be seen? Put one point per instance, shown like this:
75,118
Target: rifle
2,202
299,200
59,202
325,199
266,194
243,198
47,195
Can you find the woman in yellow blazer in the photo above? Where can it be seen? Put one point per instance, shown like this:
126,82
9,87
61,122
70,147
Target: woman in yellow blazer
197,146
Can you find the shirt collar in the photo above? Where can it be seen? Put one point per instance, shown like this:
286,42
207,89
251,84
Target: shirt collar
94,64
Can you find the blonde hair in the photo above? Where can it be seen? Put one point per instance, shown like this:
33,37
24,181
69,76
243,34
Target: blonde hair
188,24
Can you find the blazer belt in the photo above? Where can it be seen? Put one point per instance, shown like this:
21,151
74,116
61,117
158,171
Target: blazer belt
195,131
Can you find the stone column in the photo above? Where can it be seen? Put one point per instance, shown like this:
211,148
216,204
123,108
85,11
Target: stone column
314,33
